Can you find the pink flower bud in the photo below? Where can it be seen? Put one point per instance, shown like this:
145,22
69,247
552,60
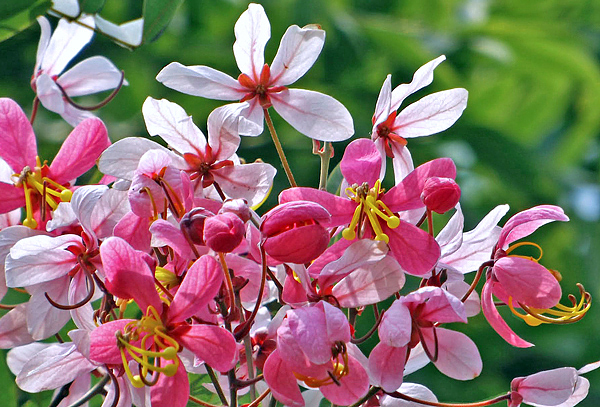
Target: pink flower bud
440,194
223,232
293,232
239,207
548,388
192,224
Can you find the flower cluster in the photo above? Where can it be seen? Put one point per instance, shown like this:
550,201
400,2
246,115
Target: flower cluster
165,269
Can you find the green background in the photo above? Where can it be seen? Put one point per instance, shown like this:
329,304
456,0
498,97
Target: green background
529,135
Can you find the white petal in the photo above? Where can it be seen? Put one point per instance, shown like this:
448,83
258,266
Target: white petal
18,357
49,94
298,51
61,217
92,75
67,7
415,390
169,121
422,77
44,41
431,114
110,209
384,100
43,318
451,236
252,31
252,182
200,81
223,130
68,40
83,202
314,114
129,33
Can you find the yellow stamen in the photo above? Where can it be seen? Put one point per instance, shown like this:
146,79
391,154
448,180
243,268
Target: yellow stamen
513,247
29,221
340,369
560,314
372,207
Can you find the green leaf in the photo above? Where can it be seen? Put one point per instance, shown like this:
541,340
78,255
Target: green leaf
334,181
91,6
157,15
15,18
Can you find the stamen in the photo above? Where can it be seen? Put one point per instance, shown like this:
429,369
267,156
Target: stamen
513,247
29,221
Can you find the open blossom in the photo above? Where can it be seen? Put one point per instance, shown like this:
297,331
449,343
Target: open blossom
432,114
92,75
314,114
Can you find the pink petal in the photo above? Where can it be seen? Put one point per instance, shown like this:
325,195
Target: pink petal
171,391
169,121
103,343
396,326
407,194
252,31
432,114
527,282
439,305
495,320
361,162
422,77
298,51
200,285
314,114
12,198
134,230
458,356
341,209
338,328
128,274
92,75
19,147
548,388
13,328
352,387
200,81
416,250
282,382
79,151
526,222
164,233
386,364
309,328
212,344
330,255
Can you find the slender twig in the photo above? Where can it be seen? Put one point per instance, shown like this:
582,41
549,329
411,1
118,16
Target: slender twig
437,404
215,382
200,402
247,348
229,283
476,279
91,392
284,162
372,391
260,398
325,154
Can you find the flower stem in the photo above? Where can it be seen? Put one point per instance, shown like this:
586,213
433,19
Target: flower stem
476,279
325,154
437,404
247,347
260,398
228,282
215,382
200,402
284,162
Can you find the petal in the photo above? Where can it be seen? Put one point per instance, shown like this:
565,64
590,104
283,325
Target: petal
527,282
338,328
422,77
171,391
169,121
200,285
212,344
396,326
19,147
111,208
416,250
549,388
68,40
414,390
135,231
200,81
352,387
458,356
451,236
12,198
382,108
298,51
45,34
438,305
386,364
223,130
361,162
370,284
13,328
432,114
252,31
314,114
309,328
496,321
103,343
83,202
402,162
92,75
79,151
526,222
341,209
164,233
281,381
252,182
43,318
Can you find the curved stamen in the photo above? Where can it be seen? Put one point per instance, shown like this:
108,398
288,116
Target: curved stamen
537,246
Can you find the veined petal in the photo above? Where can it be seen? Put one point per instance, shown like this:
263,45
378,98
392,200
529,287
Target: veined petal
451,236
309,329
361,162
169,121
49,94
200,81
212,344
414,390
548,388
432,114
383,106
341,209
111,208
13,328
223,130
458,356
527,282
79,151
252,32
298,51
84,201
386,365
351,388
338,328
314,114
68,40
92,75
45,34
164,233
439,305
281,380
19,147
12,198
43,318
422,77
134,230
103,343
200,285
252,182
396,326
496,321
171,391
526,222
416,250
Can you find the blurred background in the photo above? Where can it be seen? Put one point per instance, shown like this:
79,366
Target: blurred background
529,136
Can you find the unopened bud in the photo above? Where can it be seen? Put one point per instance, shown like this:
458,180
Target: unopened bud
192,224
223,232
440,194
237,206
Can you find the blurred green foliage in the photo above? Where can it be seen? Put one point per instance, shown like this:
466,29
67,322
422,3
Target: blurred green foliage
529,135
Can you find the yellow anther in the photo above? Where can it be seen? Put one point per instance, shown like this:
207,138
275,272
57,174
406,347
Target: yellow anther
30,223
66,195
537,246
166,277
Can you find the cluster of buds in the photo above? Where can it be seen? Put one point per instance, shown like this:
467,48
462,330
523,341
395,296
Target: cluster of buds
166,268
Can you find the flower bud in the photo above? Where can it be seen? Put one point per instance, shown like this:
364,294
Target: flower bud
237,206
440,194
293,231
223,232
192,224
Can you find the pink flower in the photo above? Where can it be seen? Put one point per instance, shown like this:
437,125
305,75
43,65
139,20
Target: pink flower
547,388
521,281
311,113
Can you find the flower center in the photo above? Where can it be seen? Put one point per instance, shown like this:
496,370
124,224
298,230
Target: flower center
385,130
340,368
259,87
373,208
156,348
34,182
